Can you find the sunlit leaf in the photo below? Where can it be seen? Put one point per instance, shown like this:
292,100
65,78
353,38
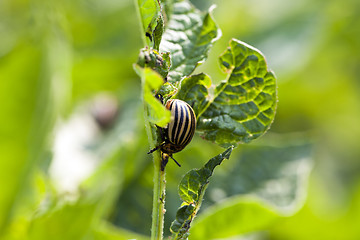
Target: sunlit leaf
193,182
158,32
106,231
188,37
151,80
277,174
30,99
244,104
191,190
152,21
195,91
231,218
14,128
75,218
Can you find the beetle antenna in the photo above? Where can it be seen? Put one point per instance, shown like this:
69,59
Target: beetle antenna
175,160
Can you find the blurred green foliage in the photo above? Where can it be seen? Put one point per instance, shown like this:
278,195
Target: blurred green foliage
59,60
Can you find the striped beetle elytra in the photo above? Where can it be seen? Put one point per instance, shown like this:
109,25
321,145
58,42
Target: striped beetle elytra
179,131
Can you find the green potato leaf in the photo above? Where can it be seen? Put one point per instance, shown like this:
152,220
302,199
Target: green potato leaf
158,32
193,182
268,182
30,101
167,91
244,105
191,190
106,231
188,37
233,217
75,218
152,81
153,59
152,21
277,174
195,91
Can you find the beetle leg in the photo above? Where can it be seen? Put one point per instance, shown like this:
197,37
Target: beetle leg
175,160
164,160
156,148
153,150
160,97
162,134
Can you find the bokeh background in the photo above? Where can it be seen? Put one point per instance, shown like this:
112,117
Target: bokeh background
73,161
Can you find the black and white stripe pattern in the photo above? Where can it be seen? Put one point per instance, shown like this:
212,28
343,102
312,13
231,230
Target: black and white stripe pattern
182,125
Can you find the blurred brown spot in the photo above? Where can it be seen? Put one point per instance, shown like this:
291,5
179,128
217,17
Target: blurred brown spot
105,109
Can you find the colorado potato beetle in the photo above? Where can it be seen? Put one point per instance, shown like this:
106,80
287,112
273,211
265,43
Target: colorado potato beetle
179,131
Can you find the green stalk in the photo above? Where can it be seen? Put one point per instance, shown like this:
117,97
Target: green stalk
158,201
158,210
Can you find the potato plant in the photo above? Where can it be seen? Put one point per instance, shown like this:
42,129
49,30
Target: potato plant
239,109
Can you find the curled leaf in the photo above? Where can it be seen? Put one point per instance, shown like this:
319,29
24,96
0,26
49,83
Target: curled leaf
152,21
191,190
244,105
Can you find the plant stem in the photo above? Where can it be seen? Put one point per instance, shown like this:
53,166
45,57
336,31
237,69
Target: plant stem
158,210
158,200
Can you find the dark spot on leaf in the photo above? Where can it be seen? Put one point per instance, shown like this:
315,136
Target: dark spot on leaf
148,35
